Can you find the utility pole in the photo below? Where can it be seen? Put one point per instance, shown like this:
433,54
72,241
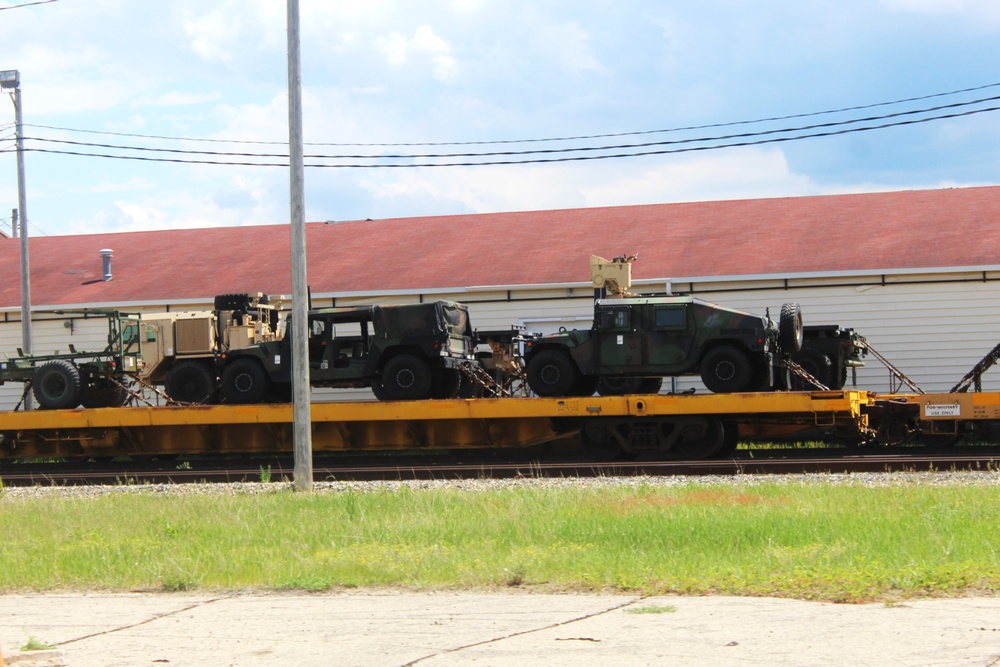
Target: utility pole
301,418
11,79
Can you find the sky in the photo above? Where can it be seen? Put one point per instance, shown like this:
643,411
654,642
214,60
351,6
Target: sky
206,82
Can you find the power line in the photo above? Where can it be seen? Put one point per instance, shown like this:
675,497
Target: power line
669,151
729,137
551,139
28,4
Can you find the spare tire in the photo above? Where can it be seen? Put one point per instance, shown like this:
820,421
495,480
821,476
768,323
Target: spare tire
790,328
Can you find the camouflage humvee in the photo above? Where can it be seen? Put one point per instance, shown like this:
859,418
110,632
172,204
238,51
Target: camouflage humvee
636,341
403,352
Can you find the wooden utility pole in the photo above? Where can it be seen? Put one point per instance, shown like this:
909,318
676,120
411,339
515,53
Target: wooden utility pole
301,418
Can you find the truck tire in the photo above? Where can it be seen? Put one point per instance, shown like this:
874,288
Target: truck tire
190,382
57,386
651,385
104,394
449,384
816,364
406,377
619,386
726,369
552,373
244,381
790,328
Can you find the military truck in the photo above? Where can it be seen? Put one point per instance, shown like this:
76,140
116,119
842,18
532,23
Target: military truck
402,352
98,379
636,341
183,348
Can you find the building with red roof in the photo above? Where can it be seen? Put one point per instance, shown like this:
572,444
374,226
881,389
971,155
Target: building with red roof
916,272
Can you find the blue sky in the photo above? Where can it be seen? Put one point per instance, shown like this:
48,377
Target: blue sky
450,71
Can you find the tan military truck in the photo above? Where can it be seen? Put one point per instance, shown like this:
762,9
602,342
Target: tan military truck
182,349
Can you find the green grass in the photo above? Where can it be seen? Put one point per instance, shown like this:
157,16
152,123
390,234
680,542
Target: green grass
35,644
812,541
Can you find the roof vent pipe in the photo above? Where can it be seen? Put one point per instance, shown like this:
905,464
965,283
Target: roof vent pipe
106,260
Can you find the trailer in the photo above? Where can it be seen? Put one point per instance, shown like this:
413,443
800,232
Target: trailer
92,378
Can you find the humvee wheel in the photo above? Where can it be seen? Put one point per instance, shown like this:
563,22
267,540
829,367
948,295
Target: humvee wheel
816,364
190,382
57,386
406,378
650,385
552,373
244,381
619,386
790,328
449,384
726,369
378,390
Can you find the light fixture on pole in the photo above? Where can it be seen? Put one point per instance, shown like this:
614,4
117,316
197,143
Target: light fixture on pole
11,80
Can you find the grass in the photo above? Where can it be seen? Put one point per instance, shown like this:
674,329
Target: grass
812,541
35,644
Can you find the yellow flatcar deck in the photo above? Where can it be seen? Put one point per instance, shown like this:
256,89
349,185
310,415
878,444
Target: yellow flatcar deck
358,426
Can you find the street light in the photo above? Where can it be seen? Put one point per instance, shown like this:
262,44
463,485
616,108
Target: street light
11,80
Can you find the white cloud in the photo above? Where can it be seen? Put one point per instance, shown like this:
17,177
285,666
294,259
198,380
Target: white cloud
177,99
425,43
733,174
214,35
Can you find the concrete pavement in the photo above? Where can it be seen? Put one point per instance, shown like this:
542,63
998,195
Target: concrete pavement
436,629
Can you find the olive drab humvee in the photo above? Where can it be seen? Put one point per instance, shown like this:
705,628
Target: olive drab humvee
402,352
636,341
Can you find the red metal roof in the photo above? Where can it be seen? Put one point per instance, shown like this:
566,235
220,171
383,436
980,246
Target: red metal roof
879,232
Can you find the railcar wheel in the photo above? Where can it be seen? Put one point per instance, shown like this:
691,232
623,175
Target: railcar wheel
790,330
244,381
730,440
726,369
552,373
190,382
406,378
57,386
701,439
597,439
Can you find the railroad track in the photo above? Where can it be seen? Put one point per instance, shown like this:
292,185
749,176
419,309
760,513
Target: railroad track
750,462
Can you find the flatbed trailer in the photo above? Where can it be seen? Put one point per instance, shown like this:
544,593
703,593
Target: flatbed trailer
688,426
